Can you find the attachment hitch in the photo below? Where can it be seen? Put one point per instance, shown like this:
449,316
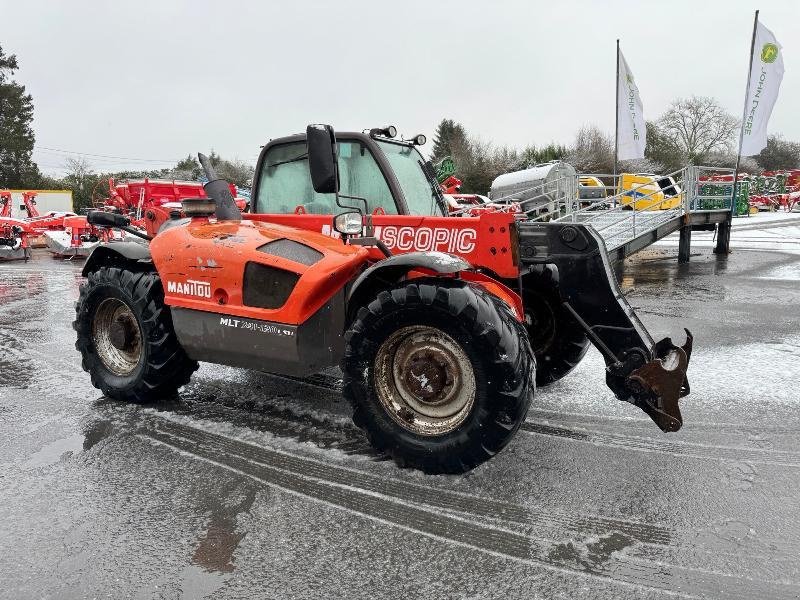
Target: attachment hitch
657,385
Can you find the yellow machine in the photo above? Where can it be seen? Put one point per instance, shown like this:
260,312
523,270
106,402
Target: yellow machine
644,191
590,190
590,181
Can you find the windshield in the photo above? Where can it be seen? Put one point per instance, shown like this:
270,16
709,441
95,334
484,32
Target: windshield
285,183
407,164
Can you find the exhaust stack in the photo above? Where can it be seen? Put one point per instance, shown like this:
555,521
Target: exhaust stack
217,189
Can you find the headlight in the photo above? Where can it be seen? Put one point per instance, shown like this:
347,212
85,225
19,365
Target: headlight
349,223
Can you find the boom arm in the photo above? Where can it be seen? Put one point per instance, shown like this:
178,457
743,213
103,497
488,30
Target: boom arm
650,375
29,199
5,204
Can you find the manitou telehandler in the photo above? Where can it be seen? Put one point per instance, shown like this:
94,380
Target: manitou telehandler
352,262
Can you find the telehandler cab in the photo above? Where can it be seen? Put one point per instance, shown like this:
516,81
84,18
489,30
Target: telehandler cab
430,317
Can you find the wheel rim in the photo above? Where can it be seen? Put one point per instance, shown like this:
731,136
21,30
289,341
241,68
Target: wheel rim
540,321
117,337
424,380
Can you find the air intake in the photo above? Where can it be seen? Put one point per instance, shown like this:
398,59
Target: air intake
267,287
291,250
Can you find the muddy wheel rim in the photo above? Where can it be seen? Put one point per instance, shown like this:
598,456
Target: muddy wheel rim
424,380
117,337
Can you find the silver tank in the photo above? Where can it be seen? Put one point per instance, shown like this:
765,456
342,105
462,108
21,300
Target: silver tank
540,190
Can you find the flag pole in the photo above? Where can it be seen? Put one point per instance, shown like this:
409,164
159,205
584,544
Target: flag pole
616,124
744,116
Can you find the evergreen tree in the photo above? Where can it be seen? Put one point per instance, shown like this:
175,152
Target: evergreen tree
449,138
17,170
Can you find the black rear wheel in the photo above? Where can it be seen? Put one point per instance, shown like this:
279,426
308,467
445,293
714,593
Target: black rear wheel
558,341
126,338
440,375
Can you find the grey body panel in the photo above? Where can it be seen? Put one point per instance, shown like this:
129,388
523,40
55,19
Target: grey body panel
394,267
264,345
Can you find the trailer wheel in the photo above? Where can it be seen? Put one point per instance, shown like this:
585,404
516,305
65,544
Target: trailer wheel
440,375
558,341
126,338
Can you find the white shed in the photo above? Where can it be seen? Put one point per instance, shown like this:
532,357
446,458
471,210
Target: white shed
46,201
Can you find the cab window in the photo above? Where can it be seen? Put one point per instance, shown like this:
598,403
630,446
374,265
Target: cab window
285,181
407,162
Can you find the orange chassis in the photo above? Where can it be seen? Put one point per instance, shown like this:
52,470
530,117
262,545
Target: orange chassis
176,251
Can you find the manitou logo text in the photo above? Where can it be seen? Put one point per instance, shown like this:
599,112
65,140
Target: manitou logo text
191,287
422,239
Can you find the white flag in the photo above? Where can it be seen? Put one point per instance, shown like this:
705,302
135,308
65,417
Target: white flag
766,73
631,130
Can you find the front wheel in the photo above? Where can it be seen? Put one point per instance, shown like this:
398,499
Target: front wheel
558,340
126,339
440,375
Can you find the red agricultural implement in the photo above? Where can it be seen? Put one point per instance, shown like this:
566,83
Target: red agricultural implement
13,232
465,204
151,202
770,191
65,234
40,223
5,203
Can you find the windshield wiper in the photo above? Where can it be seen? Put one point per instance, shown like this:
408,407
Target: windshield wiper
436,189
291,160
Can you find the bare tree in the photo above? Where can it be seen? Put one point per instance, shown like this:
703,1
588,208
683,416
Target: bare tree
698,126
237,172
592,152
78,170
727,160
641,165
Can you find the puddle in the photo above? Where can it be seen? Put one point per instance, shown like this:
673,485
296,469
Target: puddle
196,582
790,272
54,451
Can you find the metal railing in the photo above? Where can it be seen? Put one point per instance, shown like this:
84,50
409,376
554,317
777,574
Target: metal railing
633,211
707,194
627,212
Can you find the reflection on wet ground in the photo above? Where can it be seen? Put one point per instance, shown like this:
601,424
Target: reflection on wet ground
251,485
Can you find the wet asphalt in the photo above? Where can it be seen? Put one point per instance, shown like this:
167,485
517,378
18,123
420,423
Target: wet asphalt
256,486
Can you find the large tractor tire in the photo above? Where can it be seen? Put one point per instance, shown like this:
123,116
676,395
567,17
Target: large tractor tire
440,374
557,339
126,338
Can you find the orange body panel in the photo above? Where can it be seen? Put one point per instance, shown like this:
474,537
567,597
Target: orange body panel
202,267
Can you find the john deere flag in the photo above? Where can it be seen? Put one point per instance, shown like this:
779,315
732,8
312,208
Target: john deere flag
631,132
766,73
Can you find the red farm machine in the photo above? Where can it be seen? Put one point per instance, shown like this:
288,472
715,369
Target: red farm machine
443,326
150,202
770,191
465,204
64,233
14,233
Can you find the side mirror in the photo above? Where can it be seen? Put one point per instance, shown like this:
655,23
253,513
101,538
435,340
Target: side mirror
323,158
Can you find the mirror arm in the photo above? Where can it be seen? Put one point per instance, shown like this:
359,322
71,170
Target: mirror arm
371,241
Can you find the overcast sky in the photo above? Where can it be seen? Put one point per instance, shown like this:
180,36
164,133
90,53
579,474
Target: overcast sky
158,80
